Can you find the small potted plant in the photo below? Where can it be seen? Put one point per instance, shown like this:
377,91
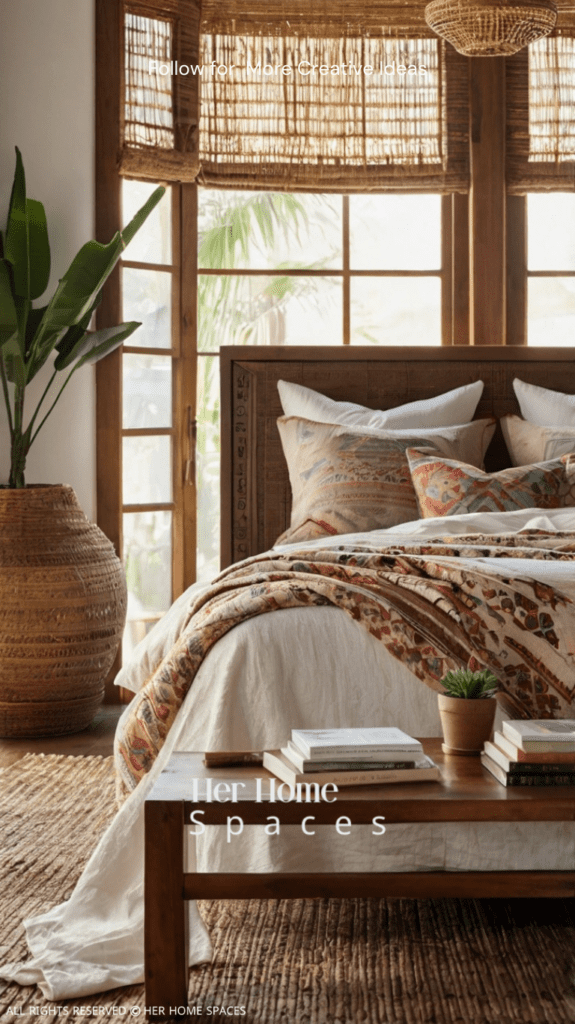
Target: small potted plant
467,710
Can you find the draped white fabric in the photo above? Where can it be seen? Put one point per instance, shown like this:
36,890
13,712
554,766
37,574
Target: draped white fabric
297,668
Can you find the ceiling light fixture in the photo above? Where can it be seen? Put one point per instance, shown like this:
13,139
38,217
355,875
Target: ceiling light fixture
487,28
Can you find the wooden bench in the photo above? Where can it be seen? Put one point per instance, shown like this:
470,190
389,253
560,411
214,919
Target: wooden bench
467,792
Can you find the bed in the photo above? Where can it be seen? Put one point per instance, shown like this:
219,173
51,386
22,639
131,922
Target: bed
312,666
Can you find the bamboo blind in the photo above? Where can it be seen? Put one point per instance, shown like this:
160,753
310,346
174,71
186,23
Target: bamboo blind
540,115
350,131
340,131
159,130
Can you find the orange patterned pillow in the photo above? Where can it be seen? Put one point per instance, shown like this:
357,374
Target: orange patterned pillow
445,487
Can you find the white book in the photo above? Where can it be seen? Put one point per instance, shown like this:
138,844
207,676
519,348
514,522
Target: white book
317,744
353,762
541,735
279,765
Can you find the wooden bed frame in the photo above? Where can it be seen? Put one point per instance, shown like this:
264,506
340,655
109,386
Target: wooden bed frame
256,497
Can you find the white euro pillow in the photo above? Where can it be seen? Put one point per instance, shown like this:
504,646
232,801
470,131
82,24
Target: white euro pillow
544,407
448,410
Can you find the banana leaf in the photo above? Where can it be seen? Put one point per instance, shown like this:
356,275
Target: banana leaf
85,278
95,344
26,245
8,316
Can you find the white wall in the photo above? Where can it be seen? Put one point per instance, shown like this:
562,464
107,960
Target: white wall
47,110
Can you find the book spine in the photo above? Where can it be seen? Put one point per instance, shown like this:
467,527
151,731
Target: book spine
367,753
515,754
311,767
539,745
549,779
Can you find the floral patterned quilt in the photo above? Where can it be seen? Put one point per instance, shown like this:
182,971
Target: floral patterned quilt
435,606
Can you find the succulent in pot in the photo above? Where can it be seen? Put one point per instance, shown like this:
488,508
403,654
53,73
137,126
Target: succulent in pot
467,710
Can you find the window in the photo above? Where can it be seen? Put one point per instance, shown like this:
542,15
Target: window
306,269
148,477
550,269
273,269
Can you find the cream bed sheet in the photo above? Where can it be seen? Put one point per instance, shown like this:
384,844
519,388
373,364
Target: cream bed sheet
252,689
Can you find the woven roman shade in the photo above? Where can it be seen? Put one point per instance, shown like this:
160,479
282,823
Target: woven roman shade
160,110
541,114
387,111
298,110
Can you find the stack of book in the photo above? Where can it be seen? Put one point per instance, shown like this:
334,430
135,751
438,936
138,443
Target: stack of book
537,753
351,757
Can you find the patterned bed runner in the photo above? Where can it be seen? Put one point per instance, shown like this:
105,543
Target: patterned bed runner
432,609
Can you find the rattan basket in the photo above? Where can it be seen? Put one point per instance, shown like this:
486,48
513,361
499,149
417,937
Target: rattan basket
62,612
487,28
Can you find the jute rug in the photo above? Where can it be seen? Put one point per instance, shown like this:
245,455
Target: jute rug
288,962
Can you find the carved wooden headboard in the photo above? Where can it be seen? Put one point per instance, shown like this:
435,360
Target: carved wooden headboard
256,497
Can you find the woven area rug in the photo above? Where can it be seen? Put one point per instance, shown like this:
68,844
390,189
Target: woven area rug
289,962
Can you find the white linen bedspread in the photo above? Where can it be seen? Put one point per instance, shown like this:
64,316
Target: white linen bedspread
265,677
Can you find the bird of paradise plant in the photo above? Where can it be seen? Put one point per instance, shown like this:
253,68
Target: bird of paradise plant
29,336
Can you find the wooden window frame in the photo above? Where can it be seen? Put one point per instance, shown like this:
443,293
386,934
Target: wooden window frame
453,279
478,260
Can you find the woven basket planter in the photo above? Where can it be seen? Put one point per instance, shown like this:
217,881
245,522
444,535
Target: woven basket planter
491,28
62,612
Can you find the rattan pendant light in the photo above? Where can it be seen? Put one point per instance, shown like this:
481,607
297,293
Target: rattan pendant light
491,28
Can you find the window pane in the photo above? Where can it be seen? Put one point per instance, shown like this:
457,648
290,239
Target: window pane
147,470
396,311
208,468
395,232
265,230
551,311
148,565
268,311
153,242
147,391
147,297
550,234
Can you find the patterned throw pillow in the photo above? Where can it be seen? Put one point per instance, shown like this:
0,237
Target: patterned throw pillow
352,480
445,487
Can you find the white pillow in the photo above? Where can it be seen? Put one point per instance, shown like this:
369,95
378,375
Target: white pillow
544,407
448,410
529,442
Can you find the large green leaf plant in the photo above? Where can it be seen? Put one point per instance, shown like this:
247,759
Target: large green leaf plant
29,336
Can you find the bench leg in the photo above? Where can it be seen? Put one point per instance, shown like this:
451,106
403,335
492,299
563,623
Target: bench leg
166,911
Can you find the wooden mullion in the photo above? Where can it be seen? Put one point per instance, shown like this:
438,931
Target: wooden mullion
185,514
142,350
487,202
147,431
546,273
446,271
159,506
296,272
346,297
516,270
460,268
163,268
177,399
109,64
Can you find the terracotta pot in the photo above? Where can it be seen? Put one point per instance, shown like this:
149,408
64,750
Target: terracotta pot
62,612
466,724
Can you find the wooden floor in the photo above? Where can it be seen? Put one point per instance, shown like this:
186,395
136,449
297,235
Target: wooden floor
97,739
